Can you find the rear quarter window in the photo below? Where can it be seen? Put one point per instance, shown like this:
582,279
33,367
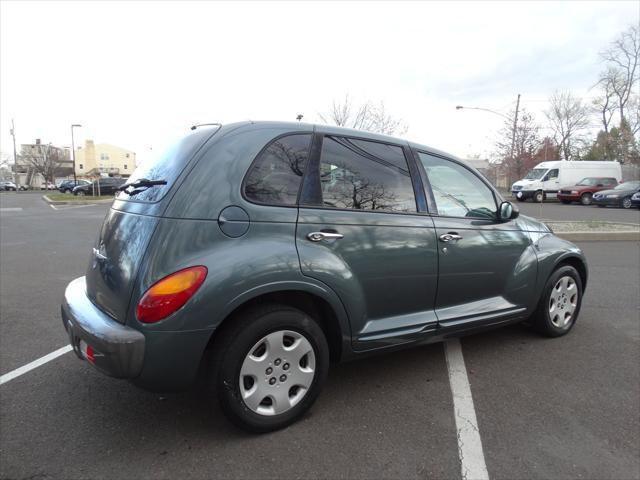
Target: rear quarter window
276,174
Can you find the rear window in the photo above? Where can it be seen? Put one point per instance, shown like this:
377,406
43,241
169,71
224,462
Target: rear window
166,166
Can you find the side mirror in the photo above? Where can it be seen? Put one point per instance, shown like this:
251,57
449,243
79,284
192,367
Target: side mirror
507,211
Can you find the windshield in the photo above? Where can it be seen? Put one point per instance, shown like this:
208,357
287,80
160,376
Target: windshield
166,166
628,185
535,174
589,181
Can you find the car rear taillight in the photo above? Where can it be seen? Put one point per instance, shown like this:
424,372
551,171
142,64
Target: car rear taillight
169,294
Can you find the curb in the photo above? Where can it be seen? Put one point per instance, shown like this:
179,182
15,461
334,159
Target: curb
610,236
75,202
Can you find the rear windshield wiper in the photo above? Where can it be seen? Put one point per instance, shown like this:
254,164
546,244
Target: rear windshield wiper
142,182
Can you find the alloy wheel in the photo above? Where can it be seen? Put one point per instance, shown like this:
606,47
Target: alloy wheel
626,203
277,372
585,199
563,302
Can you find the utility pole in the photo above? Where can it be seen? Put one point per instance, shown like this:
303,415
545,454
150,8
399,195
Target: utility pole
515,126
15,157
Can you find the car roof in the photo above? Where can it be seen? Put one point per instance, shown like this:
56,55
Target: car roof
331,129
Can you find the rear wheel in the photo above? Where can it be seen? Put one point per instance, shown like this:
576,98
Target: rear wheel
269,367
538,197
586,199
80,193
68,190
626,202
559,306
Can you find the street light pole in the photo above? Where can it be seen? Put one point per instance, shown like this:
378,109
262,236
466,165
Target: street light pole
73,154
460,107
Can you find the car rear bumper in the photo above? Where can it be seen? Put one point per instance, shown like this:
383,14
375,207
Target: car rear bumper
118,350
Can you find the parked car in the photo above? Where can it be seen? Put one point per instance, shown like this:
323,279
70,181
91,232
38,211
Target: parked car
67,186
8,186
47,186
260,252
103,186
635,199
546,178
583,190
619,196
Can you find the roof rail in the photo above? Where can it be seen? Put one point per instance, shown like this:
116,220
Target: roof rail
193,127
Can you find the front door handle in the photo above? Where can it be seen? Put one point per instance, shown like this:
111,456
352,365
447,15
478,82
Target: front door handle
450,237
318,236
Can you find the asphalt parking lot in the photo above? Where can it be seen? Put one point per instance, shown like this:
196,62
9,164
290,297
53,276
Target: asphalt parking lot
562,408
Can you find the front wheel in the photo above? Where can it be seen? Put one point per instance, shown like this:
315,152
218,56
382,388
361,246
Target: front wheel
269,367
559,306
626,203
538,197
586,199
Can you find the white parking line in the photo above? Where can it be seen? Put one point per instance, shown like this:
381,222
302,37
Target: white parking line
69,207
35,364
10,209
469,442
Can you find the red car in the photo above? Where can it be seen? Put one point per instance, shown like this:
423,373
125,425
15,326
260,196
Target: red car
583,191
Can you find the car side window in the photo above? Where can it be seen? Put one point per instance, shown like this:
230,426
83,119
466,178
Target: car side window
363,175
276,174
552,174
457,191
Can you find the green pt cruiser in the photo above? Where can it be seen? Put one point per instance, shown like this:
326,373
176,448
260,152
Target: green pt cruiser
255,254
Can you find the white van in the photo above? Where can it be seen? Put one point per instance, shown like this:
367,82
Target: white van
546,178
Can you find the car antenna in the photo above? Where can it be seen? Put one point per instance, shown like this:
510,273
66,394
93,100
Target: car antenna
193,127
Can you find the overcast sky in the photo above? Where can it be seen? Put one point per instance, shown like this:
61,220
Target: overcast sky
139,74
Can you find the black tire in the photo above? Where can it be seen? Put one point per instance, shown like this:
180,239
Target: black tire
541,319
521,199
626,203
586,198
234,343
538,197
566,202
68,190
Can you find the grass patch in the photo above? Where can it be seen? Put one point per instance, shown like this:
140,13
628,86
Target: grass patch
67,197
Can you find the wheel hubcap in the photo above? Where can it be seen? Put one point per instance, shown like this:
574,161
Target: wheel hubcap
277,372
563,302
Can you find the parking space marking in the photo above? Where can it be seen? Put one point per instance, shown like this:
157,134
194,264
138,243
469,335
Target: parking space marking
69,207
10,209
470,452
35,364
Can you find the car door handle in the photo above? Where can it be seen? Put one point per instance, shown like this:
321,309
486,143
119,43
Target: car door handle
318,236
450,237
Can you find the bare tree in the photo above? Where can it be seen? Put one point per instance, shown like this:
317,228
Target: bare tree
606,104
568,117
622,73
367,116
525,143
45,160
